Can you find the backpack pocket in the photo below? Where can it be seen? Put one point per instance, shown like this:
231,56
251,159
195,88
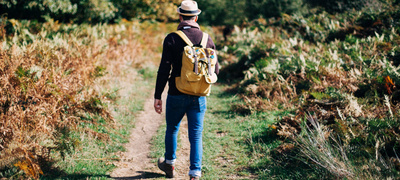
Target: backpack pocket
192,76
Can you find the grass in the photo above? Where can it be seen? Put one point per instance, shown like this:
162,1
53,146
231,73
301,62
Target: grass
346,83
126,85
157,143
247,146
47,96
235,146
127,88
77,89
72,90
94,156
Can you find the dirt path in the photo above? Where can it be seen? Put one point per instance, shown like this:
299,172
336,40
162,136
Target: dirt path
135,162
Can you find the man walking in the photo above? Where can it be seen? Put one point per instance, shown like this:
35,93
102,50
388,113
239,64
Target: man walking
178,103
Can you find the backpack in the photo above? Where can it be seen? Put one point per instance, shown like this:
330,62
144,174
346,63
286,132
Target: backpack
198,67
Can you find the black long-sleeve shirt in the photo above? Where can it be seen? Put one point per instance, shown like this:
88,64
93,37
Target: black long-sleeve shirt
172,57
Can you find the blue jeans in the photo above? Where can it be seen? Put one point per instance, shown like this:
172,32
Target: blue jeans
194,107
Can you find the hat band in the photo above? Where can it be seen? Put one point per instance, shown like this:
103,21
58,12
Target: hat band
188,12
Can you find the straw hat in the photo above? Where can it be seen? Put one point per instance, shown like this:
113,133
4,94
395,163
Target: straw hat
188,8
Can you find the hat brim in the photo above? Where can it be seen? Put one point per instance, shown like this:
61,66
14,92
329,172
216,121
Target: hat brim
188,13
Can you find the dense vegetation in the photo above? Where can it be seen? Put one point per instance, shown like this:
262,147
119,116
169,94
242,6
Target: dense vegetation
337,75
89,11
215,12
44,92
333,67
54,111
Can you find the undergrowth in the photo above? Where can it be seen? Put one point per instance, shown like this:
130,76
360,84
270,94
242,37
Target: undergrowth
60,89
340,68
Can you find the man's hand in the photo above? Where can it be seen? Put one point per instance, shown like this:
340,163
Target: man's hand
158,105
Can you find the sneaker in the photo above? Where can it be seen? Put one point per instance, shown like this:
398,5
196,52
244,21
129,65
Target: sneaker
194,178
167,168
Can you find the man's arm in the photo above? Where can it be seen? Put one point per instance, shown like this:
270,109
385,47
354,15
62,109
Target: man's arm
163,74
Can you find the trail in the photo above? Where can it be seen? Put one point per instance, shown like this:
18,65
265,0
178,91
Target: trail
135,163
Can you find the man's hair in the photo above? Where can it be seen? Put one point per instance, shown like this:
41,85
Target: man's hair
185,18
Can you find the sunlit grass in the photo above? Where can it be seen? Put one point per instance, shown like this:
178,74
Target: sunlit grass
65,88
335,67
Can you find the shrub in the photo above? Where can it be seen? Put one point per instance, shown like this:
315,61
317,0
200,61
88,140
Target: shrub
239,12
44,93
222,12
90,11
340,68
94,11
334,6
36,9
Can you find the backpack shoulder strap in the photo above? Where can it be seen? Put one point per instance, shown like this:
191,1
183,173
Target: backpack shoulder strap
204,40
184,37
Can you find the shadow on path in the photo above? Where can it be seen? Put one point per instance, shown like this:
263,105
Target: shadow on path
142,175
75,177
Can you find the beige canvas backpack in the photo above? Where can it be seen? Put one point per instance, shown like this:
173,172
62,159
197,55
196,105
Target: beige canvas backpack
198,67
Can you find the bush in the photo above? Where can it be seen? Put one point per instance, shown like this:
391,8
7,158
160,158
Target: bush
216,12
272,8
92,11
95,11
342,69
44,92
334,6
36,9
160,10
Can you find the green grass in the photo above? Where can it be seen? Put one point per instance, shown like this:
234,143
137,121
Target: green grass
157,143
235,146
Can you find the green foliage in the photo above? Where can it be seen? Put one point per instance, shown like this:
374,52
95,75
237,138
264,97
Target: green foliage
95,10
334,6
129,9
63,10
216,12
36,9
341,68
271,8
99,71
148,72
90,11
